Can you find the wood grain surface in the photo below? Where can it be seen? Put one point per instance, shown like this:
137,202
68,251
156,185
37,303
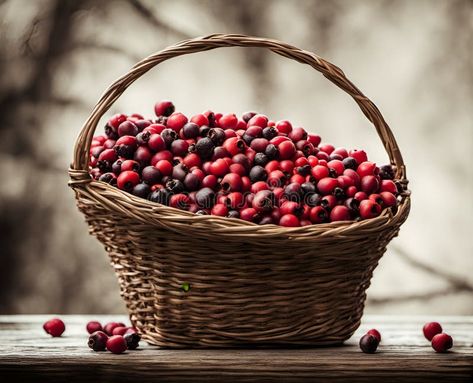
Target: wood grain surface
28,354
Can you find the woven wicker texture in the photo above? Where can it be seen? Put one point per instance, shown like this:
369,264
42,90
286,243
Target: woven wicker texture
249,284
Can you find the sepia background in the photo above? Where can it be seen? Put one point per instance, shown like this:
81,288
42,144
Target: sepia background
412,58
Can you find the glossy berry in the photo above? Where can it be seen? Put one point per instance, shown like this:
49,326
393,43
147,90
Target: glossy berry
164,108
93,326
228,121
257,173
327,185
369,209
263,201
120,330
340,213
116,344
108,328
369,184
286,150
176,121
284,126
54,327
127,180
431,329
442,342
359,155
127,128
289,220
375,333
318,214
204,147
132,340
369,343
141,190
98,341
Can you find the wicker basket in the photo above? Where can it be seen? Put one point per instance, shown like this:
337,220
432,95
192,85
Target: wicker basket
249,284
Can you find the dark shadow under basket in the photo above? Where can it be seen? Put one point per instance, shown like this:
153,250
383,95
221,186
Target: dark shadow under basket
249,284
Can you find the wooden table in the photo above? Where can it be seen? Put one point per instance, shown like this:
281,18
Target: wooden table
28,354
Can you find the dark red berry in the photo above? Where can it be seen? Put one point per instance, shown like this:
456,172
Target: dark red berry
327,185
93,326
176,121
151,175
205,198
284,127
116,344
248,214
257,173
161,196
318,214
248,115
54,327
359,155
369,343
228,121
369,209
204,147
442,342
263,201
234,145
367,169
120,330
289,220
132,340
127,180
375,333
286,150
127,128
141,190
164,108
98,341
431,329
369,184
340,213
231,182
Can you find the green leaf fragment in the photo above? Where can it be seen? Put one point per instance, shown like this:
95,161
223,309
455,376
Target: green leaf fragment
186,286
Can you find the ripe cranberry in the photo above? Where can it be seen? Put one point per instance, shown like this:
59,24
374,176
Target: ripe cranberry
340,213
165,167
192,160
120,330
93,326
259,144
191,182
205,147
248,115
116,344
375,333
179,147
258,186
290,207
142,155
228,121
297,134
156,142
248,214
127,165
164,155
359,155
360,196
369,209
125,146
97,341
246,184
234,145
238,169
176,121
154,129
199,120
442,342
209,181
127,128
376,198
369,184
388,198
109,178
259,120
314,139
132,340
263,201
369,343
108,328
431,329
219,209
344,182
327,185
353,175
322,156
319,172
286,150
336,165
278,139
235,200
179,201
127,180
276,178
286,166
231,182
289,220
328,202
54,327
164,108
219,168
318,214
327,148
388,186
351,191
367,169
284,127
117,119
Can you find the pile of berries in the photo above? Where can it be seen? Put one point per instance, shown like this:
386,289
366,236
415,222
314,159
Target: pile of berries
249,168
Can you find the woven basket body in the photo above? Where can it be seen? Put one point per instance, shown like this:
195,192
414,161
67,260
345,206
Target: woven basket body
249,284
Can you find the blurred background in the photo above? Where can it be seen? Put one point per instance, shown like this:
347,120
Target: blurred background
412,58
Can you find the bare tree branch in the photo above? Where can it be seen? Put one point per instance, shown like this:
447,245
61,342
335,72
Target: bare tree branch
149,15
455,281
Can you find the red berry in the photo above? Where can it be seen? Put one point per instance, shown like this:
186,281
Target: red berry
442,342
298,134
367,169
164,155
258,120
219,209
192,160
120,330
337,166
116,344
234,145
341,152
228,121
154,128
375,333
231,183
289,220
98,341
54,327
209,181
235,200
314,139
164,108
318,214
93,326
369,209
263,201
327,148
180,201
156,143
340,213
388,186
176,121
143,155
328,201
359,155
127,180
388,198
284,127
319,172
290,207
360,196
286,150
431,329
165,167
200,120
248,214
219,168
127,128
326,185
259,144
369,184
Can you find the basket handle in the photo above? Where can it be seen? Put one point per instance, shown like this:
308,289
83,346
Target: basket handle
333,73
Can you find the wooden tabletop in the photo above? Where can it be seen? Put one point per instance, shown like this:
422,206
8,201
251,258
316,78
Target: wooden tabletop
28,354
